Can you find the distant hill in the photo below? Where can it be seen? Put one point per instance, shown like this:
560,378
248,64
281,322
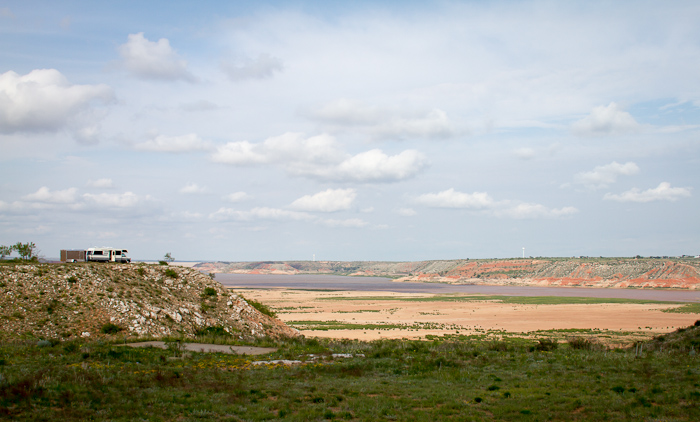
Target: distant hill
98,299
680,273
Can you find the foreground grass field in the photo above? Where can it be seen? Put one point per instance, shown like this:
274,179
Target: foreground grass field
455,378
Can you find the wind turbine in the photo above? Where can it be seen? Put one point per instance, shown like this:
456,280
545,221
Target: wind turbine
523,251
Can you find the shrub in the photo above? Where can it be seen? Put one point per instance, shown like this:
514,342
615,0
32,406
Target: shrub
215,331
545,345
261,308
162,263
72,279
110,328
141,271
171,273
581,343
209,292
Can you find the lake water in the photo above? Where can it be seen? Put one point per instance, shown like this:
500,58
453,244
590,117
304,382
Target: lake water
336,282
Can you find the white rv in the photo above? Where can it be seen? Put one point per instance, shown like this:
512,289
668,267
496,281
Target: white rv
107,255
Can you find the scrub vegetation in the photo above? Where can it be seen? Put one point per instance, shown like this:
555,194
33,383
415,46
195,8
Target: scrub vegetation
446,378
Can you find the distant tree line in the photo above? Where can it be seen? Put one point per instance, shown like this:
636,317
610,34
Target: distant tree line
26,251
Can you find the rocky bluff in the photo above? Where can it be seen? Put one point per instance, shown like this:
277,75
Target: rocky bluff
94,299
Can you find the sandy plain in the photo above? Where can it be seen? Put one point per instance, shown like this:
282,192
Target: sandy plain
369,311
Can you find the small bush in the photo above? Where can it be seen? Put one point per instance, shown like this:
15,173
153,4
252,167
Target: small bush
72,279
581,343
170,273
261,308
140,271
545,345
215,331
209,292
110,328
162,263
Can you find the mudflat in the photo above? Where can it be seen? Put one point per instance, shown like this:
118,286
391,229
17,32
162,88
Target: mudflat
369,315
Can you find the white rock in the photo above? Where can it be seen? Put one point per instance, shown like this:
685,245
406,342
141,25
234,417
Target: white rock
85,334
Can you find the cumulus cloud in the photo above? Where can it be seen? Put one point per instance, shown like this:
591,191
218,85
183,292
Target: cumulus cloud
350,222
330,200
451,198
532,211
663,192
236,197
320,157
112,200
193,188
406,212
183,143
525,153
154,60
262,67
100,184
385,123
605,120
45,195
483,202
603,176
44,100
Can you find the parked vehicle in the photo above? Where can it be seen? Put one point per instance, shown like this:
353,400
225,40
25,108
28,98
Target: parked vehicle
107,255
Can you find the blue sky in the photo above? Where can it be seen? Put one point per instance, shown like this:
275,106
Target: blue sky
366,131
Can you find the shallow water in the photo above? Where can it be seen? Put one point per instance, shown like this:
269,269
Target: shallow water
337,282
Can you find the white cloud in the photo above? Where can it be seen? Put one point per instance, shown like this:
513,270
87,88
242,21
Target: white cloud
183,143
236,197
101,183
482,201
239,153
193,188
330,200
320,157
525,153
376,166
44,194
350,222
113,200
406,212
602,176
153,60
44,100
451,198
605,120
531,211
385,123
262,67
663,192
259,213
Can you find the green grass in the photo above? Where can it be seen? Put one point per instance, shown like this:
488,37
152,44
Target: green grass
443,379
691,308
520,300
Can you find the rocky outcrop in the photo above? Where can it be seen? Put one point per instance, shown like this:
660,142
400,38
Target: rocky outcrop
91,300
680,273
